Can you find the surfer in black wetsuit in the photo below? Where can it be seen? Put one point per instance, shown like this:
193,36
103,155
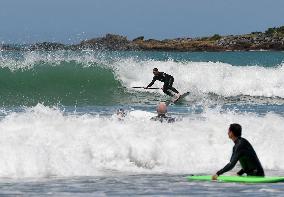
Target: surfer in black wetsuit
242,152
168,82
162,111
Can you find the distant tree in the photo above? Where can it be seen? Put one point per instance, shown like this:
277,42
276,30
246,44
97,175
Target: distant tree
215,37
280,29
277,31
202,38
256,32
270,31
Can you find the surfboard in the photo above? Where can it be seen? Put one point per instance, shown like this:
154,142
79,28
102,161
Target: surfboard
181,97
238,179
174,101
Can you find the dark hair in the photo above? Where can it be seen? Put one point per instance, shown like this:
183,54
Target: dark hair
236,129
155,69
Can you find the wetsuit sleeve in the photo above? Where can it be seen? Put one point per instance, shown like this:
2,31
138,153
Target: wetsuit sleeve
171,120
233,161
152,82
241,172
154,118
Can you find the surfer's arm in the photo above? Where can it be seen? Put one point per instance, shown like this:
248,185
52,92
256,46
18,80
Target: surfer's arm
154,118
231,164
152,82
241,172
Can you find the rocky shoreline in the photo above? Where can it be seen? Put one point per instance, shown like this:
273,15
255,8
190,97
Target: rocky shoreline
271,39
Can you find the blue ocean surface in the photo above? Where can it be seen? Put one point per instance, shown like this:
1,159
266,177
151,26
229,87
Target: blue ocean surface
61,136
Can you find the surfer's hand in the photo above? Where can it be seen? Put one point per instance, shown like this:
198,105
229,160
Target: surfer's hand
214,177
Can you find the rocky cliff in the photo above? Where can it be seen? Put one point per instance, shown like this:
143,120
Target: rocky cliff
271,39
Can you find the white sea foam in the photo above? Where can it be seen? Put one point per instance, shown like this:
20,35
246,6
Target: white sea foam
31,59
42,142
206,77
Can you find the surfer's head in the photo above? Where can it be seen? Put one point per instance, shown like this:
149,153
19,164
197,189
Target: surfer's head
155,71
235,129
120,113
162,108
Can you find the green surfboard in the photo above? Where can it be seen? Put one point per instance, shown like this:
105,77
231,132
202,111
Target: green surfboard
238,179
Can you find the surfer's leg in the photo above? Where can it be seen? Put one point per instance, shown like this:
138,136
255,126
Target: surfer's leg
170,86
166,89
168,93
174,90
256,172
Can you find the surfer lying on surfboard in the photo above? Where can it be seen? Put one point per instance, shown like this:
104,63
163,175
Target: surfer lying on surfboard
168,83
242,152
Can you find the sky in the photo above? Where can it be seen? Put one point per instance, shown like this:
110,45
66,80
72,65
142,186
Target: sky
70,21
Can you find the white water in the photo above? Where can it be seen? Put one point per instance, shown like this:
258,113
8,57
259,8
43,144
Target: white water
30,59
206,77
42,142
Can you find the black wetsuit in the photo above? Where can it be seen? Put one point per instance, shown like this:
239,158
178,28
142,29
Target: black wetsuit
245,154
163,118
168,82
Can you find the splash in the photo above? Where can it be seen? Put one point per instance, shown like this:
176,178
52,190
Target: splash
96,78
43,141
207,77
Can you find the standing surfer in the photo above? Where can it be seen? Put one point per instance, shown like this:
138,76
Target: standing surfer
168,83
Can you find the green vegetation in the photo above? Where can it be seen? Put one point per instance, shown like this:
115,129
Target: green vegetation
212,38
256,32
275,31
215,37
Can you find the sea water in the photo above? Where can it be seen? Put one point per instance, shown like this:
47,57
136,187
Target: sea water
60,135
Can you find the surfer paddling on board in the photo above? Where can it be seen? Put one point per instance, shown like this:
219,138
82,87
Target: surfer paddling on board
242,152
168,83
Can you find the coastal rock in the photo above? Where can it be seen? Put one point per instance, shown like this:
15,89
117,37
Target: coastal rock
109,42
271,39
140,38
7,47
47,46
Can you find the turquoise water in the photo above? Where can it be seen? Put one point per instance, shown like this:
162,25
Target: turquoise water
58,122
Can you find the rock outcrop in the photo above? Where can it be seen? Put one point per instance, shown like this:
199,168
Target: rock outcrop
47,46
271,39
109,42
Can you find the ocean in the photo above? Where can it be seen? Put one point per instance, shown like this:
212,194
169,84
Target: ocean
60,135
